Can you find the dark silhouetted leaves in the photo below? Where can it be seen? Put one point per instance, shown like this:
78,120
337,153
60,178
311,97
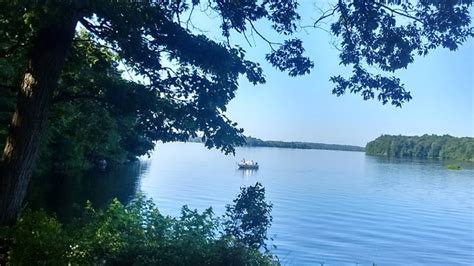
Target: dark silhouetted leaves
289,57
184,79
388,35
366,84
139,234
248,219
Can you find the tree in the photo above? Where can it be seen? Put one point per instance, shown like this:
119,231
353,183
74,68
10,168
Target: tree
192,77
139,234
249,217
426,146
95,113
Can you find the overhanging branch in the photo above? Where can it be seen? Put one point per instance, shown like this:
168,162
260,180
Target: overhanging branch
270,43
398,12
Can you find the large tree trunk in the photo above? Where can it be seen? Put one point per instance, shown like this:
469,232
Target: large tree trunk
46,59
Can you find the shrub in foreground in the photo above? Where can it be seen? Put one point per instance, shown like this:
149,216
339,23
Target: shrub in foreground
138,234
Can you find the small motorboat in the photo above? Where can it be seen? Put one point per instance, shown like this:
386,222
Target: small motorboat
244,164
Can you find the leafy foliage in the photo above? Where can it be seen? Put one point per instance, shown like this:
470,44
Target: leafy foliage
138,234
96,113
388,35
140,73
249,217
453,167
288,58
180,80
426,146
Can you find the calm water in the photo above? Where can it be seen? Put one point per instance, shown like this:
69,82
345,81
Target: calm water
330,207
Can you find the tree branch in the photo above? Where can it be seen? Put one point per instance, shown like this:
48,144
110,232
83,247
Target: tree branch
96,43
189,17
245,36
348,29
91,27
326,15
399,12
270,43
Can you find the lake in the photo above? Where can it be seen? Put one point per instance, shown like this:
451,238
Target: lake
330,207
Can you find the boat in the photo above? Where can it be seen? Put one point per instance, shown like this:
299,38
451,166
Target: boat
244,164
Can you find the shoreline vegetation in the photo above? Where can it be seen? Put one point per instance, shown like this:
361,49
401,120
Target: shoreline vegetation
436,147
255,142
139,234
453,167
444,147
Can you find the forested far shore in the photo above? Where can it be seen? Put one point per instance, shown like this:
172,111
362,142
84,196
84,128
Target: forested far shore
255,142
426,146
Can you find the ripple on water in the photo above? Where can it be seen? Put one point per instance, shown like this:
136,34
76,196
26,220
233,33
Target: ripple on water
333,207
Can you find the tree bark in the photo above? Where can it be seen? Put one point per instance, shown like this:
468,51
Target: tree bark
46,59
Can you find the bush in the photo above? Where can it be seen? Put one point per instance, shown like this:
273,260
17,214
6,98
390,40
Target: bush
453,167
138,234
249,217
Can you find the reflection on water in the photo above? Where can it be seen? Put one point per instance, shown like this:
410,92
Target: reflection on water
381,160
247,172
331,207
67,195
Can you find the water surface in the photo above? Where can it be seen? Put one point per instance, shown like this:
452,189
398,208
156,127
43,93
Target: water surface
331,207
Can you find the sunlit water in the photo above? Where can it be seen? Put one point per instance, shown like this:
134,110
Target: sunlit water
330,207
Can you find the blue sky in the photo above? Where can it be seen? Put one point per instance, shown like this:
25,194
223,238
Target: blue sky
303,108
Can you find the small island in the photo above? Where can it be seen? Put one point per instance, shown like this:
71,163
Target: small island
427,146
453,167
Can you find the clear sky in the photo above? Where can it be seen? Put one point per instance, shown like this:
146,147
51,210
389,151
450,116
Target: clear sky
303,108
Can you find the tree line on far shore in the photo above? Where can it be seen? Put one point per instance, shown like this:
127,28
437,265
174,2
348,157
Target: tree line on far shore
255,142
444,147
426,146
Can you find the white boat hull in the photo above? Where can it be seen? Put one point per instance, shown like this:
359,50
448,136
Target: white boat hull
247,166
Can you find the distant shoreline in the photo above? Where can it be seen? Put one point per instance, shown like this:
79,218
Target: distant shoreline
433,147
255,142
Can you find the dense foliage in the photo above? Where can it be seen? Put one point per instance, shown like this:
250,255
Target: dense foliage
180,79
389,34
426,146
248,219
254,142
187,78
96,113
138,234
